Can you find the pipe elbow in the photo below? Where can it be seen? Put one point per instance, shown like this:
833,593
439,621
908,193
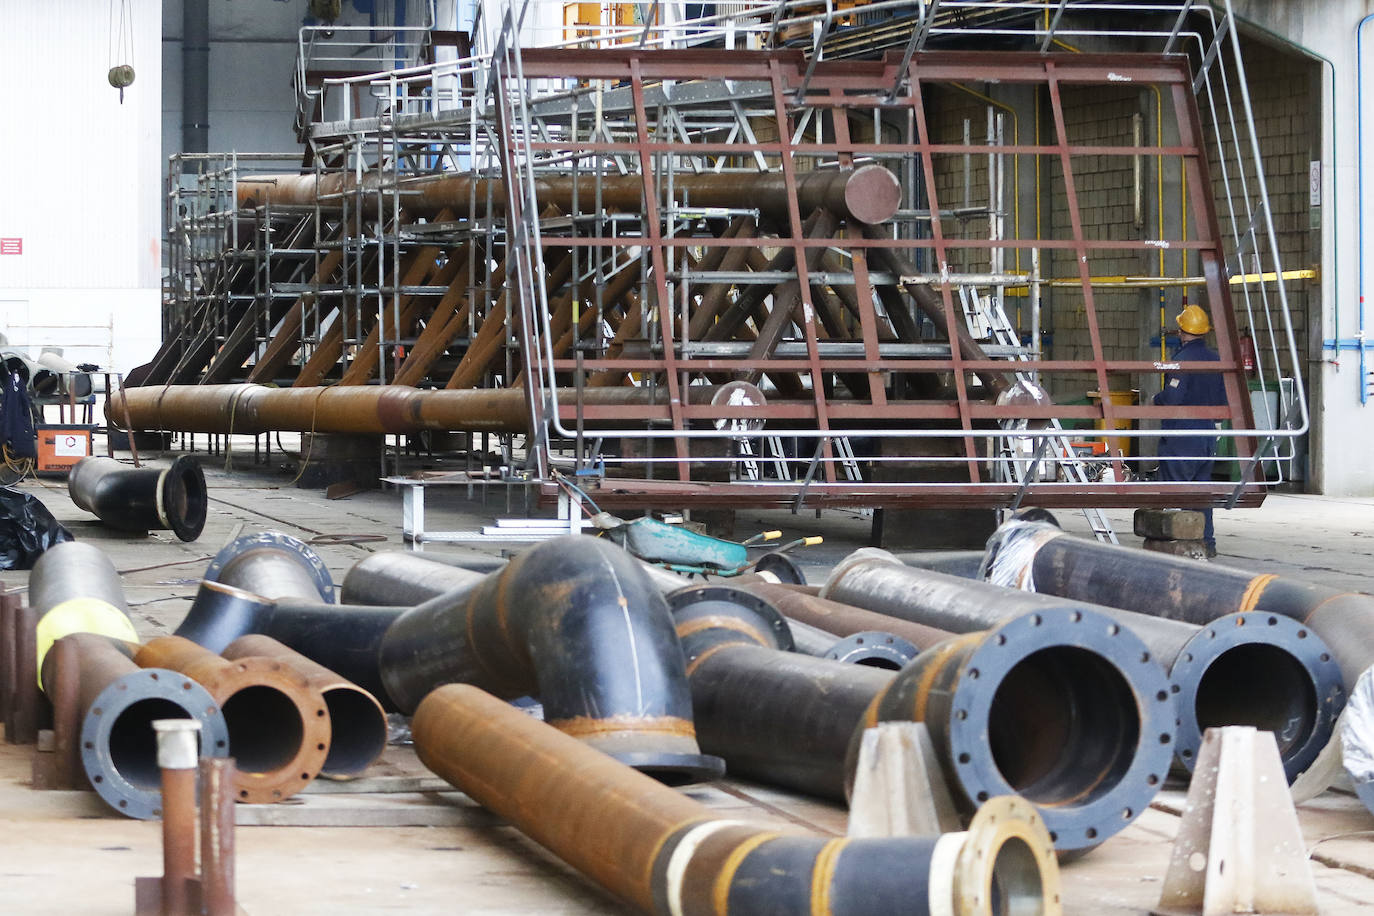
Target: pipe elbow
576,622
142,499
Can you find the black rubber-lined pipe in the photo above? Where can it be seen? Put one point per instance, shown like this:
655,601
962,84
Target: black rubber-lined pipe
342,638
272,565
1056,563
75,588
142,499
669,855
115,704
1262,670
575,622
403,577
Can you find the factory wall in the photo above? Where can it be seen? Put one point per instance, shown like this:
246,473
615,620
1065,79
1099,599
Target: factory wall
80,184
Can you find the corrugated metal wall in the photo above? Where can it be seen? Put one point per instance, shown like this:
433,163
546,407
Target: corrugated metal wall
80,174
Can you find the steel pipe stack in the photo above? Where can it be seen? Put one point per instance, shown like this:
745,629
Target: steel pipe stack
103,709
1066,709
142,499
667,854
576,622
1055,563
278,724
1244,669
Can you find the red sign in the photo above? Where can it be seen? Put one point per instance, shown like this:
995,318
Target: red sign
11,246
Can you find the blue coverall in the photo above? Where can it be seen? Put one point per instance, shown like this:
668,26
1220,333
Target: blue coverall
1191,389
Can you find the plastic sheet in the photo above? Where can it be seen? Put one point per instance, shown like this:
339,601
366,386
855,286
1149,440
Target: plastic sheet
1357,733
27,529
1012,548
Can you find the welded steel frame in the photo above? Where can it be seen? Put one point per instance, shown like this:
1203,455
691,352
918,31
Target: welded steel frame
856,85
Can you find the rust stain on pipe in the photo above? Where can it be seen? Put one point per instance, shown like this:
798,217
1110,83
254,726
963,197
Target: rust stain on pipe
278,724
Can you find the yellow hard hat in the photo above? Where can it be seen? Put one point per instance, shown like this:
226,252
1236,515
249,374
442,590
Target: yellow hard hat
1193,320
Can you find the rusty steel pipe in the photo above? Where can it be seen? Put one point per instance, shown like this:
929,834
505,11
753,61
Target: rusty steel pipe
176,758
576,622
278,724
357,722
1247,669
843,619
104,706
869,194
64,688
666,854
355,409
23,725
217,837
9,661
142,499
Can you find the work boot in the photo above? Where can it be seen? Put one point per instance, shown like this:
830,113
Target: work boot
1211,551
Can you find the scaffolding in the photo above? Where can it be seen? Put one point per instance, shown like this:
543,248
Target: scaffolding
685,207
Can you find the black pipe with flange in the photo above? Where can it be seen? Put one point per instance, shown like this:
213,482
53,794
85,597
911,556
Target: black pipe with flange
142,499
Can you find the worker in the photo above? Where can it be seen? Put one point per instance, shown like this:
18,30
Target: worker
1189,458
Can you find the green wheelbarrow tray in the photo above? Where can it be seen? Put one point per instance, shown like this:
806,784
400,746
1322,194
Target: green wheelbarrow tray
676,547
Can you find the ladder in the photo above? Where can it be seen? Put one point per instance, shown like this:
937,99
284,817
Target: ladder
989,312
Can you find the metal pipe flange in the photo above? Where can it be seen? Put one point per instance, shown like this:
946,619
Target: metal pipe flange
1259,669
272,565
874,649
118,747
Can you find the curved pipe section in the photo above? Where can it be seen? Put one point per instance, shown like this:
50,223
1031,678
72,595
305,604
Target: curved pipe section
403,577
1064,708
343,639
357,722
667,854
576,622
115,703
278,724
142,499
1244,669
74,588
272,565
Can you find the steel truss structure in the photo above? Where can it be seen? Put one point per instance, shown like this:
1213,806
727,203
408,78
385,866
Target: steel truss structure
729,277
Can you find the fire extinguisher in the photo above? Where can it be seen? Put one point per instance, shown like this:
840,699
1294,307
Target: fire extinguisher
1247,352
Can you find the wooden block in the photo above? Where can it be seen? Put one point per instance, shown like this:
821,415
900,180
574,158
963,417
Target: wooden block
1169,524
1193,550
1239,848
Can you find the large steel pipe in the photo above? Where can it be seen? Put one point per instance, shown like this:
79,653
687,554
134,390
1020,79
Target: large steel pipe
403,577
278,724
843,619
355,409
114,704
1041,556
142,499
576,622
342,638
357,722
74,588
774,715
272,565
667,854
869,194
1245,669
1064,708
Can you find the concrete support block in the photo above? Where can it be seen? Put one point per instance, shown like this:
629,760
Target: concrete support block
332,458
898,787
1239,848
1193,550
1169,524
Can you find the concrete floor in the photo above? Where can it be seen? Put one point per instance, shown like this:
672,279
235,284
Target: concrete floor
432,851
